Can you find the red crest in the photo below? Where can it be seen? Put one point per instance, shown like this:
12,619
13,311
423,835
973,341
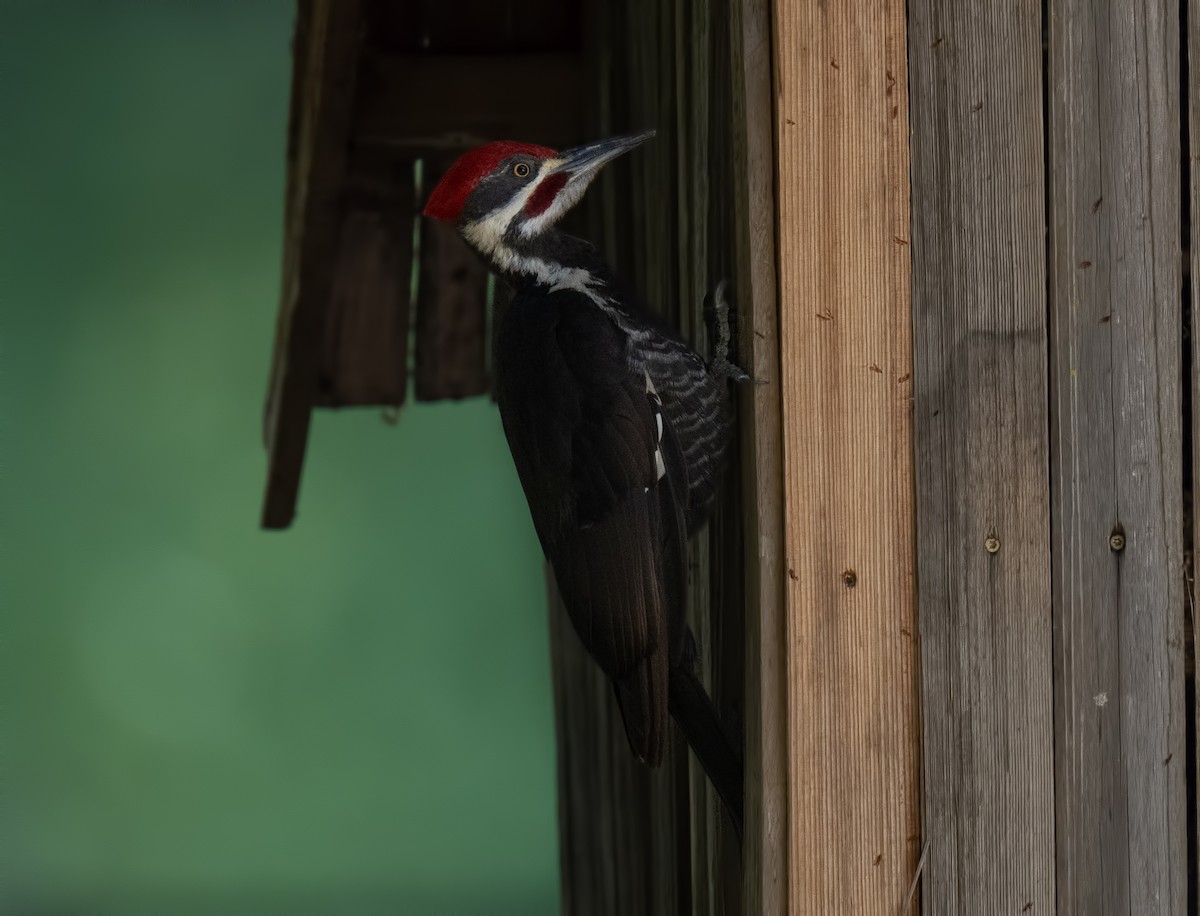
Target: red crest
451,193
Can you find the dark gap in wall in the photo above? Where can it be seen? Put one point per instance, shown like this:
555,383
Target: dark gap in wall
1187,403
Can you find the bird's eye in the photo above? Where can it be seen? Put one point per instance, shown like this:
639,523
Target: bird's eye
521,170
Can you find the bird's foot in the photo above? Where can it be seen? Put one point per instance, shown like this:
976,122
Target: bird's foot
720,312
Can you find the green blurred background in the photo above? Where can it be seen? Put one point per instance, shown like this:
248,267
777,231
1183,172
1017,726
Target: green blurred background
351,716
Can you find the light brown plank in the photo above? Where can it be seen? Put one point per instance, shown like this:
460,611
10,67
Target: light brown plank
841,96
1114,187
979,311
765,841
325,48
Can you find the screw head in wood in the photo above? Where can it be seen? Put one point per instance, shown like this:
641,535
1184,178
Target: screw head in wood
992,544
1116,541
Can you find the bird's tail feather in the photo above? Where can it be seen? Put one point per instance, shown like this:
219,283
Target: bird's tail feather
697,716
642,699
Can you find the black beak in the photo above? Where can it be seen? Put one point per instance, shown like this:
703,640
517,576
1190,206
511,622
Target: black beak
589,158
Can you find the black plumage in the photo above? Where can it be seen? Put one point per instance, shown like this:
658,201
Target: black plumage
580,418
618,431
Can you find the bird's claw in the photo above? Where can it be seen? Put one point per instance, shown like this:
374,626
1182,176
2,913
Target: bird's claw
718,309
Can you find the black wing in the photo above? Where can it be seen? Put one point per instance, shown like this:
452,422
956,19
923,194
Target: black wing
603,476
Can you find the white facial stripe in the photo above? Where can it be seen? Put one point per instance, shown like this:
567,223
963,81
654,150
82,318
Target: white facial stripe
487,234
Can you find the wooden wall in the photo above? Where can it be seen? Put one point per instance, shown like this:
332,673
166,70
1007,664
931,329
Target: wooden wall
1191,262
966,495
847,381
1048,309
979,312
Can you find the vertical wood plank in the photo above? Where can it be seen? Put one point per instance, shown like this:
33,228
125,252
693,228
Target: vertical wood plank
979,313
451,324
1114,191
841,114
365,344
729,567
1192,88
765,854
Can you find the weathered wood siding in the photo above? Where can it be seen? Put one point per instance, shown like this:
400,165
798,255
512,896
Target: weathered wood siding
983,520
842,146
1047,301
1116,451
1191,88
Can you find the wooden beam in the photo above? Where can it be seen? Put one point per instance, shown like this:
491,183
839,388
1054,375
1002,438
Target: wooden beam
365,342
765,841
430,102
979,310
1116,475
841,116
325,47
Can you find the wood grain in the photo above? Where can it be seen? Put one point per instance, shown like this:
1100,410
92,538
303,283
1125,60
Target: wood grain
765,843
1114,192
979,315
1192,90
841,96
365,343
451,325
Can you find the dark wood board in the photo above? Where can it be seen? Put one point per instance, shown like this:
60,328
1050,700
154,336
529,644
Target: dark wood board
982,451
1116,451
326,51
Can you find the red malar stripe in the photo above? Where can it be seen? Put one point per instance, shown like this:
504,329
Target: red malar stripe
543,195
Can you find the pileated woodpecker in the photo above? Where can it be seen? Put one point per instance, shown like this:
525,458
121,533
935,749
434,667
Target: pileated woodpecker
618,430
